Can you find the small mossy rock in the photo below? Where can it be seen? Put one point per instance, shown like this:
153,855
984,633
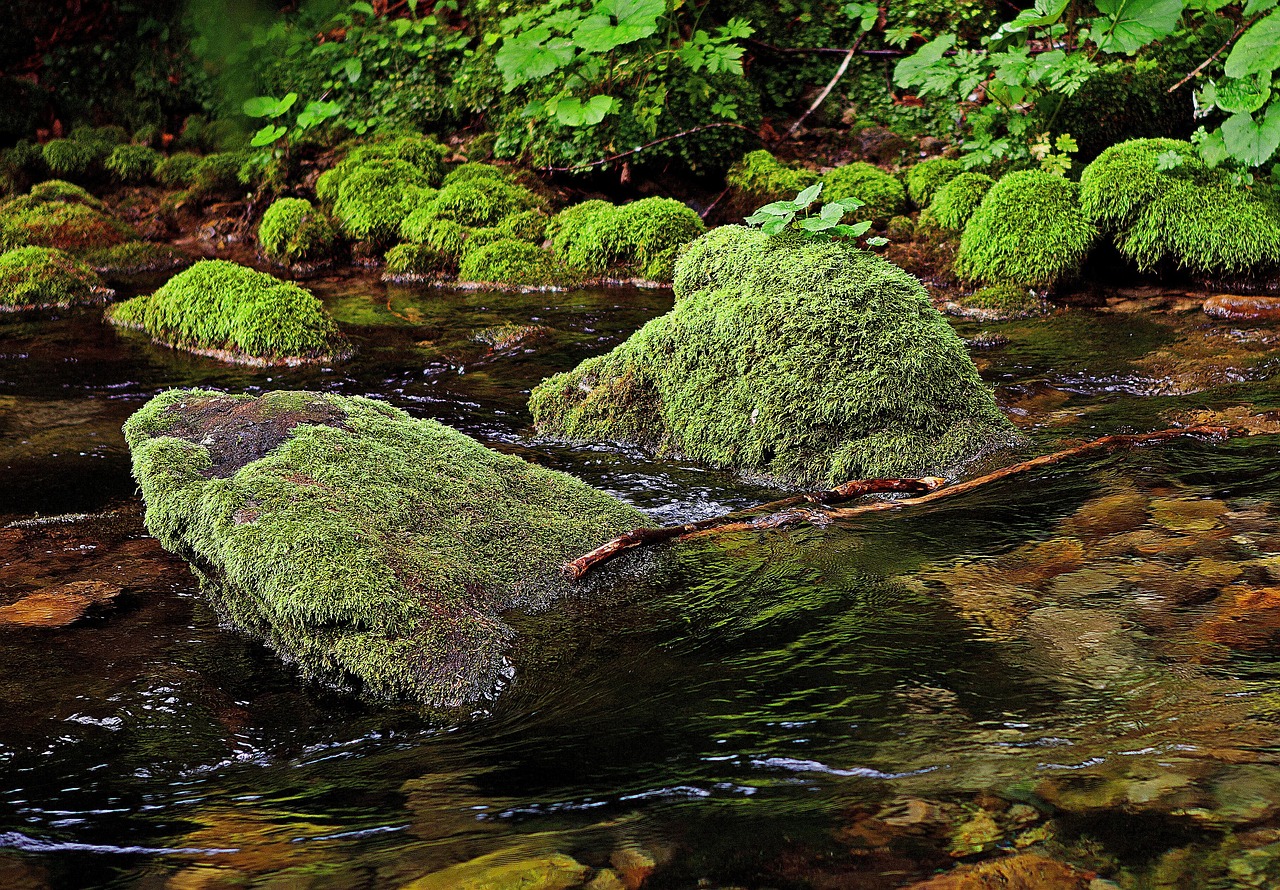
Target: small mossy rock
43,277
761,177
178,170
640,239
527,225
882,194
411,262
955,203
810,363
1029,229
513,263
65,217
135,258
500,871
1166,208
58,191
925,178
132,163
479,202
375,197
237,314
370,548
293,231
473,171
69,158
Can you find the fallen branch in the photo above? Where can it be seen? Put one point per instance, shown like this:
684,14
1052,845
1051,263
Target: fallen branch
789,511
822,96
1205,64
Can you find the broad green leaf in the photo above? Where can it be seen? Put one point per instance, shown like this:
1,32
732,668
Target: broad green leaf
1234,95
1213,148
775,226
362,6
1249,141
877,241
849,204
1258,49
317,112
1045,12
615,22
531,56
780,208
1254,7
910,69
576,113
852,231
832,212
1129,25
816,224
260,106
267,135
808,196
353,68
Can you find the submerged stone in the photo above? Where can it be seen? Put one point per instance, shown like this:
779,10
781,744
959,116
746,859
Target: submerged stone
372,549
59,605
805,362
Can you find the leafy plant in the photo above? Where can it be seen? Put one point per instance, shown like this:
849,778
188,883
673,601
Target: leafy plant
827,225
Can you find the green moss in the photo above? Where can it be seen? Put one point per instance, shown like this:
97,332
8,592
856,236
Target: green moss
407,261
374,198
444,235
576,222
178,170
73,227
761,177
20,165
218,173
808,362
132,163
1009,299
366,547
217,306
45,277
472,172
293,231
422,152
1123,101
527,225
514,264
150,135
925,178
57,191
901,228
135,258
1029,229
68,158
1165,208
642,238
482,237
881,194
103,139
480,202
956,201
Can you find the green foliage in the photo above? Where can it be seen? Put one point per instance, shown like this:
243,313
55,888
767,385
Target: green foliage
178,170
794,217
1122,101
479,202
513,263
881,193
473,171
1166,208
808,362
341,542
375,196
444,235
759,176
417,261
528,225
293,231
21,165
132,163
69,158
925,178
45,277
218,173
236,312
955,202
1028,230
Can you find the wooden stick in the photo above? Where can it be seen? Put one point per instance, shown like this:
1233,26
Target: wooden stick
784,513
822,97
1205,64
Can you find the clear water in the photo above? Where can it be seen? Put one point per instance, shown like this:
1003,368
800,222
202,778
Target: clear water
838,707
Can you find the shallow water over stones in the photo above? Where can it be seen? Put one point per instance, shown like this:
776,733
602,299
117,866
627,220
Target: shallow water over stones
1076,667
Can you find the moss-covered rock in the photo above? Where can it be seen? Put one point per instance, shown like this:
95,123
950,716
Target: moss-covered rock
1004,301
68,158
925,178
177,171
807,362
58,191
218,173
293,231
1029,230
761,177
42,277
512,263
410,262
132,163
60,218
237,314
882,194
640,239
135,258
479,202
956,201
900,228
528,225
365,546
1166,209
374,198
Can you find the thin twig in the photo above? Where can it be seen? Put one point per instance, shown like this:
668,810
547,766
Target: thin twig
822,97
788,511
1218,52
712,206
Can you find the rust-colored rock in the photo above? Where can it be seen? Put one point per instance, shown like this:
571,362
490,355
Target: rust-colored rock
1025,871
1247,618
1236,307
59,605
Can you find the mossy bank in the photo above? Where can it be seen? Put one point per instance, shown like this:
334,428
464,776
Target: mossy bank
805,362
373,550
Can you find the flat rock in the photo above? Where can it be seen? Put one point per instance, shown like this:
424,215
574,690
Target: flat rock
59,605
1238,307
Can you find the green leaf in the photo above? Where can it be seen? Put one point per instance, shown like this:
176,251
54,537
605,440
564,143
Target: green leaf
911,69
1254,7
260,106
362,6
1235,95
775,226
815,224
849,204
808,196
353,69
877,241
1258,49
780,208
267,135
854,231
615,22
1252,142
531,56
1213,148
1129,25
317,112
832,212
576,113
1045,12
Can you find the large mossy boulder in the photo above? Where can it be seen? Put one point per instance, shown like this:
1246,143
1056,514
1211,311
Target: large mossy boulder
237,314
801,361
43,277
372,549
61,215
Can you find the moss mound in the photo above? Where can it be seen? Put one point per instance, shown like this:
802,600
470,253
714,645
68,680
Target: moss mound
954,204
925,178
235,313
881,194
135,258
1006,299
529,225
375,197
811,363
178,170
640,239
42,277
369,548
759,176
472,172
418,261
513,263
293,231
69,158
1166,209
1029,229
132,163
67,225
57,191
479,202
